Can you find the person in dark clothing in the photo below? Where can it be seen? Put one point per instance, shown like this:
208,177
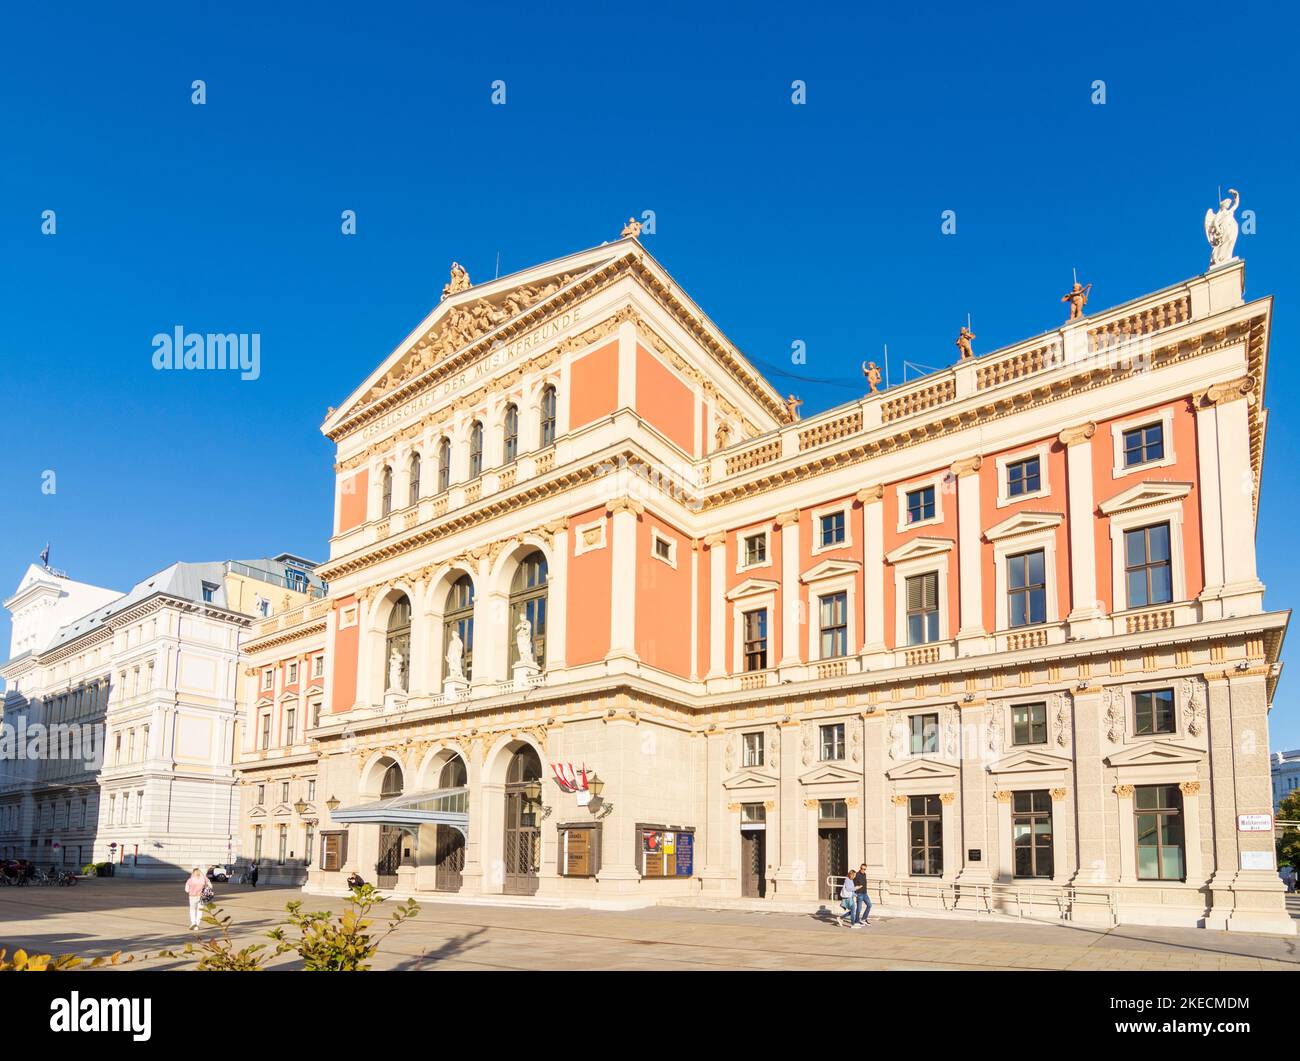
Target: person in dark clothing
863,910
355,880
252,874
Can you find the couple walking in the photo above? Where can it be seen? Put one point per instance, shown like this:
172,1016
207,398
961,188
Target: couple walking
853,897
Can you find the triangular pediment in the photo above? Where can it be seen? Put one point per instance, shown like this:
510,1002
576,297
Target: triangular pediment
751,587
1143,495
918,548
827,773
257,812
1024,523
747,780
467,316
1029,761
1155,753
264,701
315,687
830,569
920,769
289,699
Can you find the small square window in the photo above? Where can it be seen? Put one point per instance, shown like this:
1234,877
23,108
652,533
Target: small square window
1023,477
755,550
210,592
1144,444
832,745
924,734
920,504
1153,712
1029,723
832,529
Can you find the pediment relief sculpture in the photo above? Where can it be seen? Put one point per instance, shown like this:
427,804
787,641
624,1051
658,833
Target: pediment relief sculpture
461,325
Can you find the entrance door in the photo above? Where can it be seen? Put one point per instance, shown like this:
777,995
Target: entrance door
449,853
753,863
390,856
832,859
523,837
450,859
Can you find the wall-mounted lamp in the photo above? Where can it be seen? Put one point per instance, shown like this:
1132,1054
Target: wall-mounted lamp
332,803
596,786
300,807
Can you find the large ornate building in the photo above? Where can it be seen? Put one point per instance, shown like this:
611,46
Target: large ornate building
120,713
607,620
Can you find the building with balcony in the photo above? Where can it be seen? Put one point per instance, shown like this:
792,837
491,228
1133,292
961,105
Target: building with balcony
125,708
607,619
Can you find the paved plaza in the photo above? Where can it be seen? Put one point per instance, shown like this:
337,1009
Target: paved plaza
99,916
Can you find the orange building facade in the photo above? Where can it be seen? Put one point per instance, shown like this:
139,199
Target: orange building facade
608,624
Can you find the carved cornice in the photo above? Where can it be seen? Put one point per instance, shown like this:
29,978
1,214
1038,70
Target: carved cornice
624,504
966,466
785,519
868,494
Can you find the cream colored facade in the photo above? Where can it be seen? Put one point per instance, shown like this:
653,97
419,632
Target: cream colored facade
145,686
727,643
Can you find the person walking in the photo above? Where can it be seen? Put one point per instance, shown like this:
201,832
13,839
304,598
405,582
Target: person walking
862,908
252,874
194,888
848,900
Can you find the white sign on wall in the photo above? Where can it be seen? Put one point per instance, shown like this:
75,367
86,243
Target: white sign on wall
1255,823
1257,860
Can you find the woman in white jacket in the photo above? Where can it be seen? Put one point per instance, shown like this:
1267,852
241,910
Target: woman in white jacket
848,900
195,886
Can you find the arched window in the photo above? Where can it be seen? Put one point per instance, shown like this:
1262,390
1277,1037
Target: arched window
444,464
476,450
386,505
548,415
453,774
458,617
528,601
512,433
397,646
415,479
391,786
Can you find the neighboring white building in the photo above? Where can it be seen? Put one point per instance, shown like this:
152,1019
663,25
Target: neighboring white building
1286,774
121,713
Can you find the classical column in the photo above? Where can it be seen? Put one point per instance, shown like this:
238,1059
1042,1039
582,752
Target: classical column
1246,894
1085,611
972,638
715,868
717,545
877,825
783,849
1227,499
472,875
974,786
1090,796
558,605
791,626
627,365
622,628
873,576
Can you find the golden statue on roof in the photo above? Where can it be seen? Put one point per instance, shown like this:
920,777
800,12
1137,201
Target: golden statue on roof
632,228
1077,297
963,343
459,281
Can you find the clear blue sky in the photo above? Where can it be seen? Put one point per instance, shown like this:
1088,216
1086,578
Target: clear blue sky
816,222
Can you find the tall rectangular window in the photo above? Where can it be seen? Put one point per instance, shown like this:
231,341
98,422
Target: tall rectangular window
1031,833
1029,723
755,639
1148,573
1144,444
1158,810
832,741
834,615
923,608
266,730
924,733
475,450
1023,477
753,752
1153,712
1026,589
920,504
257,843
925,834
832,529
511,433
548,416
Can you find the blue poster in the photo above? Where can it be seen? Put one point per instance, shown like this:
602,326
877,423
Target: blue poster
685,854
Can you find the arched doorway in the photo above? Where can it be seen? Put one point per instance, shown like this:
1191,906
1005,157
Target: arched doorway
449,855
390,836
523,834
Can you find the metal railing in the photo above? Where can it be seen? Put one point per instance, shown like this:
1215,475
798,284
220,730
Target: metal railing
1025,901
